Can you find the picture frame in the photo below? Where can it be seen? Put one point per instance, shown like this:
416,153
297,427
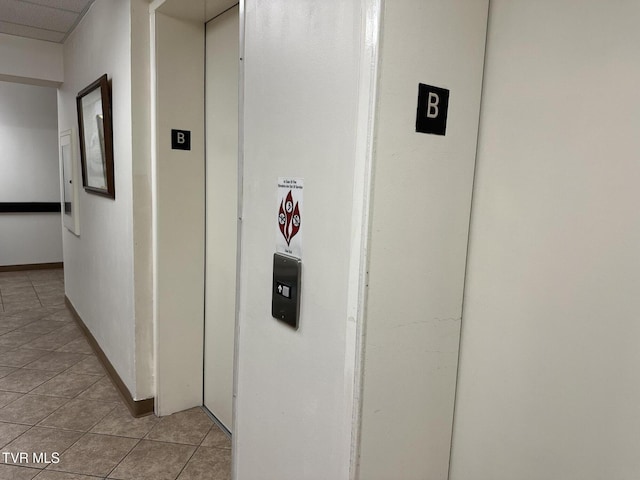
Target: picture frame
96,138
69,177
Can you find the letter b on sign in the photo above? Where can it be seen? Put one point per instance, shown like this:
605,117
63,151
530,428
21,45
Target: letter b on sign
180,139
433,103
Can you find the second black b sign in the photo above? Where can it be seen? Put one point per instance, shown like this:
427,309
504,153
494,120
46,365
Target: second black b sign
433,103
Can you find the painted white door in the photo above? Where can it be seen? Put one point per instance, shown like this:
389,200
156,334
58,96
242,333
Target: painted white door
548,385
222,57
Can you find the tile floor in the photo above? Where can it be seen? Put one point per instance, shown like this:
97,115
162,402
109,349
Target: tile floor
55,398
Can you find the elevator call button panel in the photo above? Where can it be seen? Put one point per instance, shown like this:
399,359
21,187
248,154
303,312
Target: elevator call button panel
285,295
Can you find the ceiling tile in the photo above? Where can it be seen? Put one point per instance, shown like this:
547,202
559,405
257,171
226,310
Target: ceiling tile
73,5
39,16
30,32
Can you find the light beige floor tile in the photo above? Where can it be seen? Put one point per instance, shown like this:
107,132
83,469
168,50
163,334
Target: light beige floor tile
4,371
42,326
41,441
51,299
16,339
6,349
70,333
66,385
217,438
56,361
189,427
120,422
79,345
72,327
78,414
4,330
9,432
60,315
21,306
17,320
19,294
20,357
11,278
56,287
16,274
23,381
89,366
208,464
51,341
8,397
9,472
94,454
44,275
102,390
19,288
153,461
33,314
30,409
66,334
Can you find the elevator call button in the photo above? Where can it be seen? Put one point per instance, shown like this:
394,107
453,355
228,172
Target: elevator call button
285,298
284,290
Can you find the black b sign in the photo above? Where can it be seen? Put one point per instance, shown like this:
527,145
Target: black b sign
433,103
180,139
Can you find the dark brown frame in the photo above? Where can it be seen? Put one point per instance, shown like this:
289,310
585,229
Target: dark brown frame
107,135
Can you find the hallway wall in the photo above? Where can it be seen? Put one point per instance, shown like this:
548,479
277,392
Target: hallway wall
548,385
29,173
99,276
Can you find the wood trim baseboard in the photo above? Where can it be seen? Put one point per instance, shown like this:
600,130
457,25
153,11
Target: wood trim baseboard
30,266
138,408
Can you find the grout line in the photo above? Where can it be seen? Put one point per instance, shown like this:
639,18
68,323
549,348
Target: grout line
124,457
36,292
187,462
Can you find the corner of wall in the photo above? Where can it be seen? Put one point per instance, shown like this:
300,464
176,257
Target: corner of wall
142,196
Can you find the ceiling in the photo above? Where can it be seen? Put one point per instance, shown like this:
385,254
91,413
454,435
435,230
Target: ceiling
50,20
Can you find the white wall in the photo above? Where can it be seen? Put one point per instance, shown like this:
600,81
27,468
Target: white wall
301,119
29,173
99,263
548,383
420,216
26,60
142,196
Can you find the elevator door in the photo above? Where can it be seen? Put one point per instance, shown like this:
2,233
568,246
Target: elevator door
548,383
222,57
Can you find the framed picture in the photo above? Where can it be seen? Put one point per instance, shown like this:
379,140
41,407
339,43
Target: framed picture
96,138
69,188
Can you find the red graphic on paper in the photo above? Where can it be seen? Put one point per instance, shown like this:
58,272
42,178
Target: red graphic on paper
289,218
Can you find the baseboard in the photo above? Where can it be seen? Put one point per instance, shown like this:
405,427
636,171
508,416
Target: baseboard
30,266
138,408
